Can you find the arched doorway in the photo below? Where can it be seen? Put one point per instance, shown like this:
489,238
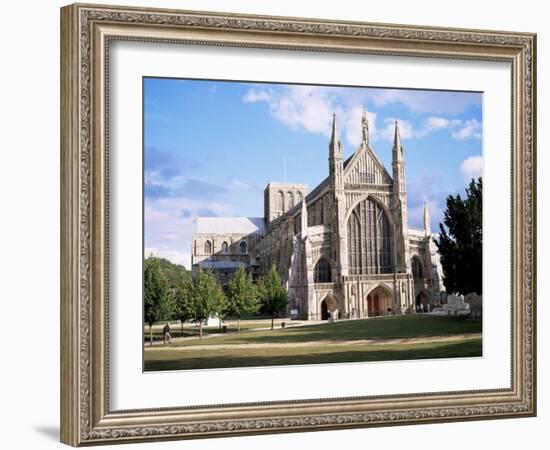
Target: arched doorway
422,301
328,308
379,301
324,310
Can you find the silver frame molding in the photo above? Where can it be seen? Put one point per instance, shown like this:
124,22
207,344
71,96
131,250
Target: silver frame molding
86,31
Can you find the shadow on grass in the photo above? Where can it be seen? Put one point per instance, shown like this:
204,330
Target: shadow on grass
469,348
189,332
391,327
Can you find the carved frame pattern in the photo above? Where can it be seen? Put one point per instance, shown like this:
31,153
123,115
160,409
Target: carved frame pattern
86,32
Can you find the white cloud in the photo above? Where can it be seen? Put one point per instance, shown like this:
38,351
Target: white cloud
170,223
254,95
416,214
436,123
310,108
472,167
173,256
425,101
236,184
406,130
469,129
429,187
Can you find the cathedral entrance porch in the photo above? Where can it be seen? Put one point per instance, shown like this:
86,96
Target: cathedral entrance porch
423,301
379,301
376,295
328,308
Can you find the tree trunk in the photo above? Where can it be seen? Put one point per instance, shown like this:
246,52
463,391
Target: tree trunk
238,324
272,319
200,329
151,334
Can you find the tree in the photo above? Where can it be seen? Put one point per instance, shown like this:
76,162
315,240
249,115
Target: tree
175,273
184,300
273,294
157,297
242,296
206,298
460,241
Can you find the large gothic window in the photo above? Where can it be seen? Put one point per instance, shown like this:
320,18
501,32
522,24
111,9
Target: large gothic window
290,200
225,247
208,247
369,240
242,246
322,272
281,201
416,268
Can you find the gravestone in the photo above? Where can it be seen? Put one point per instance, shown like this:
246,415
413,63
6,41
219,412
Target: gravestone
476,305
455,306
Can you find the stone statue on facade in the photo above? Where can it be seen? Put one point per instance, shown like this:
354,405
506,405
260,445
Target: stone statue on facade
365,127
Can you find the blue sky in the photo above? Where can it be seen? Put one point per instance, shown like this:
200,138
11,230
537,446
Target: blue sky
210,147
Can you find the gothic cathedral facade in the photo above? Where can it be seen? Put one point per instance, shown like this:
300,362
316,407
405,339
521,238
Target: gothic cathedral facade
343,250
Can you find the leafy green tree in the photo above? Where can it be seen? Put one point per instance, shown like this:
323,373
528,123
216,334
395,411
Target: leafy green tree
242,296
207,298
175,273
184,300
460,242
158,299
273,295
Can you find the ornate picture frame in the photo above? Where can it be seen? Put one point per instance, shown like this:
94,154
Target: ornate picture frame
86,34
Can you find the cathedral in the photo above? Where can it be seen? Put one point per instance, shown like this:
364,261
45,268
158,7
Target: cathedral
344,249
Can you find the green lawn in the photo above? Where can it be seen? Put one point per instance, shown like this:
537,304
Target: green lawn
390,327
191,329
250,357
324,343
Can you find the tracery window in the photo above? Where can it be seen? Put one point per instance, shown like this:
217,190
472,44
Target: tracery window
416,267
366,177
225,247
208,247
290,200
322,272
242,247
369,239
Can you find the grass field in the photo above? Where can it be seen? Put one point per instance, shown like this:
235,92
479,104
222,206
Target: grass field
192,329
376,339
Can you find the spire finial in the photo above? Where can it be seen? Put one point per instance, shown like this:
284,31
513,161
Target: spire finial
397,147
335,145
334,137
397,137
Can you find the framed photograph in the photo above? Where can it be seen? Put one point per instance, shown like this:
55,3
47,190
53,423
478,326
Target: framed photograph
280,224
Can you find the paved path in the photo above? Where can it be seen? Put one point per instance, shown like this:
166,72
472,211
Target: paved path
423,340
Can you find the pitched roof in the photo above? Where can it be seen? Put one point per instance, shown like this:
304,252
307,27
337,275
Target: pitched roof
223,264
230,225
